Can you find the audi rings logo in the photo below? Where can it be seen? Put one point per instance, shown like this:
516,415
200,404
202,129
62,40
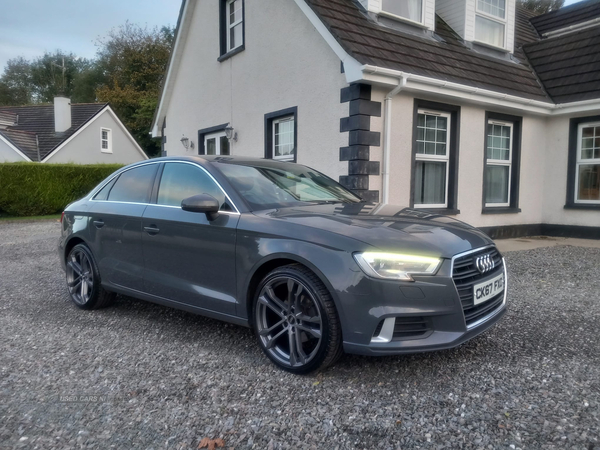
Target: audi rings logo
484,263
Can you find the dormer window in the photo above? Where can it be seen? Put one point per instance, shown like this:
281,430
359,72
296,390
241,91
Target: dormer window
408,9
490,22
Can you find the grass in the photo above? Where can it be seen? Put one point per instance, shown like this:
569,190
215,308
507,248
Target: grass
29,218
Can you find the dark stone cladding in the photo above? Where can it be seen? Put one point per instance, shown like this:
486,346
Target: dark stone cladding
360,138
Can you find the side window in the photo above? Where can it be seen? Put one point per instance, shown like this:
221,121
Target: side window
281,140
231,27
134,185
180,181
103,193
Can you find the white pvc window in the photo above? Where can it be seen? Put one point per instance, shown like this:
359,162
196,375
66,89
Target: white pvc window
283,138
587,175
490,22
216,144
106,140
406,9
498,169
432,160
235,24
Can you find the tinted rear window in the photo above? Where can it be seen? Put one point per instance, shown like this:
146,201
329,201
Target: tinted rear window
134,185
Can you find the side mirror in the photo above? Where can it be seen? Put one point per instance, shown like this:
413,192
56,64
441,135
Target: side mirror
202,203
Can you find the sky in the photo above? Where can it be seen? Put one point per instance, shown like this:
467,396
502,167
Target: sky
28,28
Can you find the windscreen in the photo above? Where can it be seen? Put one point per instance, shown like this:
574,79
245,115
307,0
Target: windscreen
286,185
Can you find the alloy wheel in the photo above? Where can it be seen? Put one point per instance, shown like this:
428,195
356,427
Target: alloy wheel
80,277
289,322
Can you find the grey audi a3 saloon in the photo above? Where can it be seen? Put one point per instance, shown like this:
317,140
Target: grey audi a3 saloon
283,249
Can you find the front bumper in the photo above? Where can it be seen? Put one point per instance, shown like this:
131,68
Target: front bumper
433,303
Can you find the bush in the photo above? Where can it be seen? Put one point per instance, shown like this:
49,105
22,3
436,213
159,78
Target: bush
34,189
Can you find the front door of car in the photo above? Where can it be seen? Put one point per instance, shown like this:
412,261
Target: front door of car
115,226
189,258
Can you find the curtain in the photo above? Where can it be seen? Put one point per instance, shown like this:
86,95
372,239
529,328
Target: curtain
430,183
410,9
496,184
489,31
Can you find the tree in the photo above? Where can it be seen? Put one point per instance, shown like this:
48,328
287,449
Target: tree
49,81
541,6
132,62
15,83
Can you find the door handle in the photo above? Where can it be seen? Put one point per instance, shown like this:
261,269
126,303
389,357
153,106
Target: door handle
98,223
152,230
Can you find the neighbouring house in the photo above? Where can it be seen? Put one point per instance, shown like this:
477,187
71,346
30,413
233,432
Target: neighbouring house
473,109
87,133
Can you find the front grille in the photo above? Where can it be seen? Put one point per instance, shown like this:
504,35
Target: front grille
465,275
410,328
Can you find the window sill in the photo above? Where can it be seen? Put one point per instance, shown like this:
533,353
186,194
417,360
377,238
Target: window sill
441,211
491,46
414,23
108,152
500,210
584,206
231,53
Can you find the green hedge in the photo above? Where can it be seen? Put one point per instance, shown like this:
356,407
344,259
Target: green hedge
34,189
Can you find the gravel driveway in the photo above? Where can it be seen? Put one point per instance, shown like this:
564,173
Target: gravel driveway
158,378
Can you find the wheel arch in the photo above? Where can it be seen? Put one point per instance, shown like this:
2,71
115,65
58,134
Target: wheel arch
272,262
72,242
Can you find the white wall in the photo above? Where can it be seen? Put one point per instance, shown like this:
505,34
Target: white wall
85,148
543,171
555,187
7,154
286,63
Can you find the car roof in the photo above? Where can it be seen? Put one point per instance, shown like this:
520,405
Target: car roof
212,159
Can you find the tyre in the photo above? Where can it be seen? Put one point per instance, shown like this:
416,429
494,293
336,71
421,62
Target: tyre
83,280
295,320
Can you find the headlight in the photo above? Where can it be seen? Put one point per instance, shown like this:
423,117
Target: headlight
395,266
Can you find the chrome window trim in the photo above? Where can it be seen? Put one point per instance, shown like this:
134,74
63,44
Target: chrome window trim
93,194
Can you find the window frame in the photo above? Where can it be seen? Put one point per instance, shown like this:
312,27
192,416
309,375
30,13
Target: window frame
108,140
270,119
211,130
500,162
436,158
280,120
583,162
515,164
421,23
485,15
572,164
453,140
224,28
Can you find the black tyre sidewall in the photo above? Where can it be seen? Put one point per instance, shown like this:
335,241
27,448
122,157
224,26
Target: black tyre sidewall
317,361
91,303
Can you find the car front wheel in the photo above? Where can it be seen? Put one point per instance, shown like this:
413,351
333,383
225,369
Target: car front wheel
296,321
83,280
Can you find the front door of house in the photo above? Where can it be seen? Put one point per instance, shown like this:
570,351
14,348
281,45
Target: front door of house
216,144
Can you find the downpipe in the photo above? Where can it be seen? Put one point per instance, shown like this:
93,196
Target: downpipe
387,136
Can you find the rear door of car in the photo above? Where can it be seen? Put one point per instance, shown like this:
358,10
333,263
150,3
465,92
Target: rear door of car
187,257
115,226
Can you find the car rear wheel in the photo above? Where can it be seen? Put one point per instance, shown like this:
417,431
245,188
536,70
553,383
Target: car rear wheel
296,321
83,280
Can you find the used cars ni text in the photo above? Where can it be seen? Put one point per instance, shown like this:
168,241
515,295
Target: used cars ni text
280,247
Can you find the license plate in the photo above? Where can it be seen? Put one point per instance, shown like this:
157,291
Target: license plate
488,289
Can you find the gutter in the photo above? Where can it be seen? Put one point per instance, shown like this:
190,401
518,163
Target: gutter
475,94
387,131
576,27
